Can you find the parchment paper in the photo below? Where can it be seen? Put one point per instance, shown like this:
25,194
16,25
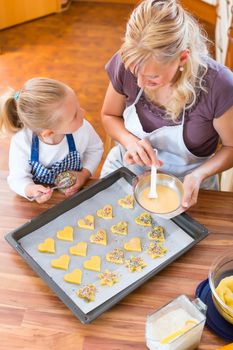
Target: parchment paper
176,240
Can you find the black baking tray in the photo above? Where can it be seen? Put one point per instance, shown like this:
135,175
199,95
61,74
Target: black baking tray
184,221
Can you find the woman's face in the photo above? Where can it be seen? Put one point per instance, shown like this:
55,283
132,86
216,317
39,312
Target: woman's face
71,114
153,74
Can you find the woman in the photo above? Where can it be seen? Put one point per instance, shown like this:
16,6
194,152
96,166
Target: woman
166,93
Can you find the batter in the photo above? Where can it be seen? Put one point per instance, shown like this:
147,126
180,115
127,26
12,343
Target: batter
168,200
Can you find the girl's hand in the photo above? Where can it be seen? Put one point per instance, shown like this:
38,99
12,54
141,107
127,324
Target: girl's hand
191,185
141,152
43,193
82,177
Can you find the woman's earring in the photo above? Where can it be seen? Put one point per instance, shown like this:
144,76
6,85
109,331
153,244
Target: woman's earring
181,68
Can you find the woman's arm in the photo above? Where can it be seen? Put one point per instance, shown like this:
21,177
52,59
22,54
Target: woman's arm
137,151
222,160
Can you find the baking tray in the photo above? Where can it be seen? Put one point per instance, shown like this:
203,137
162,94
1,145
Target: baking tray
193,230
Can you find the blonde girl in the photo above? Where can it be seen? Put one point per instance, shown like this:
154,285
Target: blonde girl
166,93
50,136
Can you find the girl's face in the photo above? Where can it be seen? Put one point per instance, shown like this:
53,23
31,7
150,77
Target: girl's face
71,114
153,75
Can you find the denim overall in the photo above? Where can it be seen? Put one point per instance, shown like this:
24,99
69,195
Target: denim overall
44,175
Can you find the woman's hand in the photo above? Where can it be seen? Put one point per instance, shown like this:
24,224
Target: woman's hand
41,193
82,177
141,152
191,186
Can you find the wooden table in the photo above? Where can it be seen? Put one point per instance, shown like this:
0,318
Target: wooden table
33,318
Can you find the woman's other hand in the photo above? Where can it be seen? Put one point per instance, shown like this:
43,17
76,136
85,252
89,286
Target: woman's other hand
40,193
141,152
191,186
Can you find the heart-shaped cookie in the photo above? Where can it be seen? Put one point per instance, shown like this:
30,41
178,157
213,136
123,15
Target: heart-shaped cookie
87,292
48,246
127,202
156,234
74,277
99,238
105,212
66,234
135,263
108,278
121,228
61,263
134,245
79,249
144,219
156,250
93,264
87,222
116,256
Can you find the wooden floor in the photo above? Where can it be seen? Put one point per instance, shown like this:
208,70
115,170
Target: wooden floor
72,46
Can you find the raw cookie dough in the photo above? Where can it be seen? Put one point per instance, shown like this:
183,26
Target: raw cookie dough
126,202
116,256
100,237
61,263
156,250
144,220
66,234
74,277
121,228
88,222
87,292
156,234
93,264
48,246
134,245
108,278
79,249
105,212
135,263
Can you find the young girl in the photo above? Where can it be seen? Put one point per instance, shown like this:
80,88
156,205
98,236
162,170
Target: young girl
50,136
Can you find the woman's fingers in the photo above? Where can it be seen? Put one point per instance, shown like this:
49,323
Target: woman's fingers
191,189
141,153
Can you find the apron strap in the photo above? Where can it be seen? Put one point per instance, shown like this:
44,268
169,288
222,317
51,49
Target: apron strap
138,96
71,143
35,148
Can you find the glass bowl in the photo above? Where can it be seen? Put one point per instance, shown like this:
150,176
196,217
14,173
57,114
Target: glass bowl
167,180
222,267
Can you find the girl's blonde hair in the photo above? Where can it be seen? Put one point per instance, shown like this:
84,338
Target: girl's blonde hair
34,106
162,29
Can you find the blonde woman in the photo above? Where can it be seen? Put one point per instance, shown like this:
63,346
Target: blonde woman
166,93
51,136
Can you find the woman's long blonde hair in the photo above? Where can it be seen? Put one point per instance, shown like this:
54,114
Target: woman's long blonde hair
162,29
33,107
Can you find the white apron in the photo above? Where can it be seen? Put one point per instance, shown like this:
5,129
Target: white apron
169,142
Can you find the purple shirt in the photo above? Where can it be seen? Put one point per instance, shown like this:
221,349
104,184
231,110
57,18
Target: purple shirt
199,134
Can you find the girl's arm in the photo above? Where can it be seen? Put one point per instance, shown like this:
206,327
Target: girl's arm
19,169
20,178
222,160
138,151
